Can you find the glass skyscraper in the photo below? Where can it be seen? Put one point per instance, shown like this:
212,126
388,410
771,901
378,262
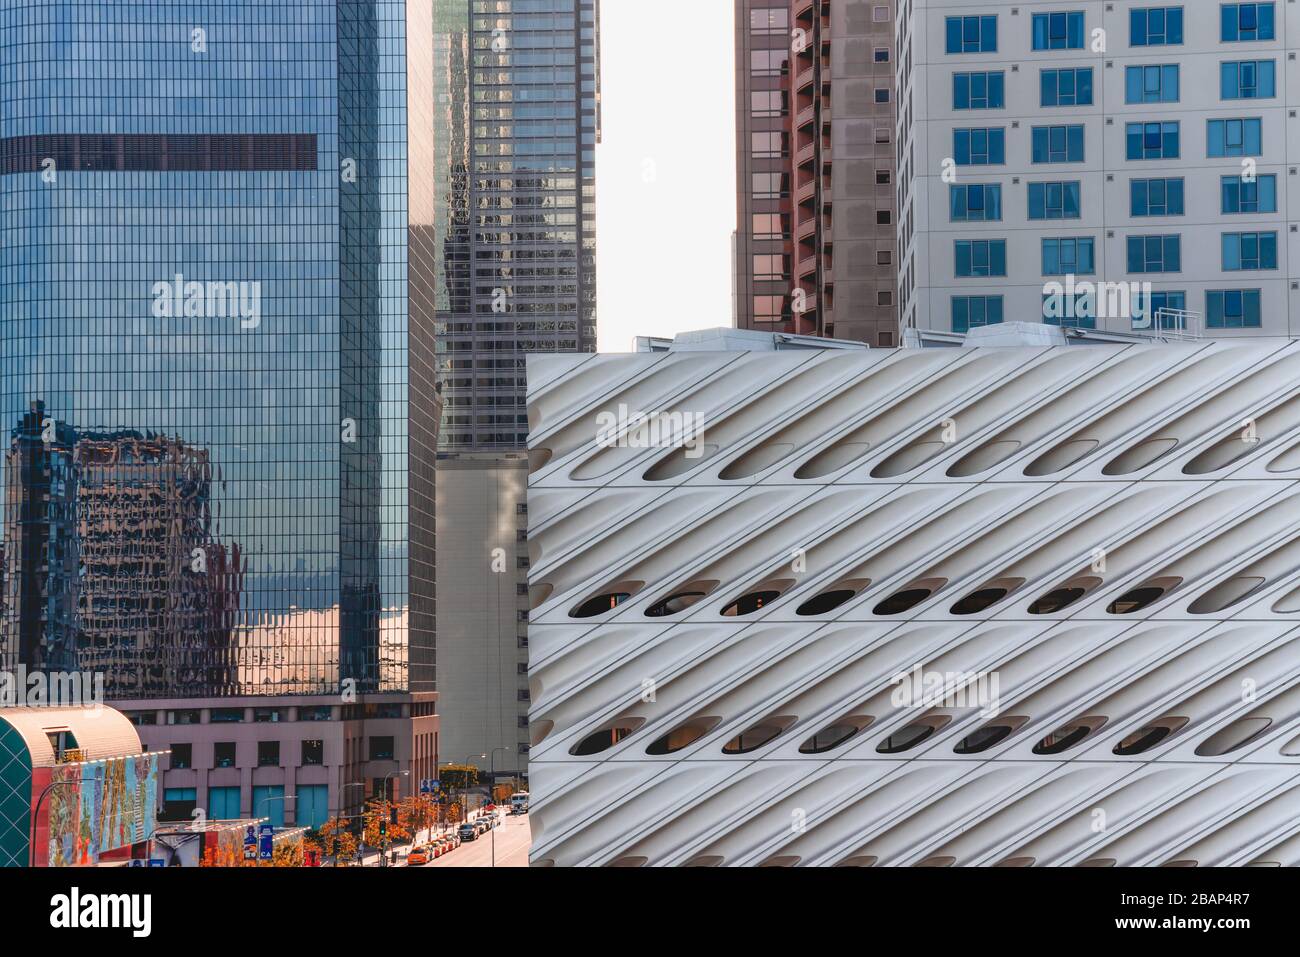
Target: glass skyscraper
518,119
217,383
217,396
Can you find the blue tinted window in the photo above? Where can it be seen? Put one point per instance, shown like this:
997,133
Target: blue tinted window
972,34
1054,200
981,258
1151,84
1058,144
978,91
975,203
979,147
971,311
1155,254
1156,26
1069,255
1243,137
1256,196
1247,79
1232,309
1247,21
1146,141
1066,87
1156,197
1058,31
1249,251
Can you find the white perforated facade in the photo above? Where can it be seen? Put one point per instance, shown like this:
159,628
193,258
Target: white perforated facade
735,644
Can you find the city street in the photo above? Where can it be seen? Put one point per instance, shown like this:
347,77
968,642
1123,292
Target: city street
513,839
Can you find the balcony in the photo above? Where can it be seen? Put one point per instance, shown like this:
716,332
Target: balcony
805,155
805,192
805,117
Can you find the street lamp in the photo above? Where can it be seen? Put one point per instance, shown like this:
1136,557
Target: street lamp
387,778
361,841
492,783
464,789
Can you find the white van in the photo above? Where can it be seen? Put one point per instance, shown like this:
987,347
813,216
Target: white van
519,803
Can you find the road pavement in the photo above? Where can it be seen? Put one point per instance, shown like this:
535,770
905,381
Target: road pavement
513,840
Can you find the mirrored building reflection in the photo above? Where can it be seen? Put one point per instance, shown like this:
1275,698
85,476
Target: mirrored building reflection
217,389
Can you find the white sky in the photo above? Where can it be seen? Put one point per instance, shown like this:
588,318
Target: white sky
666,169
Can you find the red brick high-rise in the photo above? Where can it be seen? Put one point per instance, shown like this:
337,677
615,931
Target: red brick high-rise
815,245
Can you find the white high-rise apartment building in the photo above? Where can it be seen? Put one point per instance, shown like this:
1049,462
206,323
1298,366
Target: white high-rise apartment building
1099,144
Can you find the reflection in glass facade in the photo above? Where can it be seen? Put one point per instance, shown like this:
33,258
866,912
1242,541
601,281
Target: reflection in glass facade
517,122
217,406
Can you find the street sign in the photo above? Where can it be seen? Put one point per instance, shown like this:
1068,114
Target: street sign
157,862
137,862
250,843
266,841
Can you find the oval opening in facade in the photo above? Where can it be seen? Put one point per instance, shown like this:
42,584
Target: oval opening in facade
604,739
674,603
1226,594
1142,597
751,602
1063,597
599,605
539,593
983,739
751,739
1236,735
683,737
909,737
1140,456
1146,738
909,597
1067,736
977,601
833,735
825,602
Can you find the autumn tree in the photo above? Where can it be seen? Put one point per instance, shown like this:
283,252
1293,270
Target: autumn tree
380,812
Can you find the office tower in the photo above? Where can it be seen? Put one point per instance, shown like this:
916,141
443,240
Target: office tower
815,236
206,242
517,100
41,546
1113,166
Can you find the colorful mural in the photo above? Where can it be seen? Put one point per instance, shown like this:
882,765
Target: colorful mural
113,805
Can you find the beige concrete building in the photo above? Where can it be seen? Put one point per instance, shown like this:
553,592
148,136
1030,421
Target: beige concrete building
483,609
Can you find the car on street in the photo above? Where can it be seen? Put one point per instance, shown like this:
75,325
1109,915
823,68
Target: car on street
469,832
418,857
